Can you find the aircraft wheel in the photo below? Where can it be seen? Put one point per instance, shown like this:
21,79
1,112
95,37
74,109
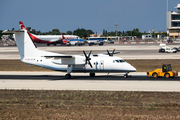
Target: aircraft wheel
92,74
68,76
167,75
126,76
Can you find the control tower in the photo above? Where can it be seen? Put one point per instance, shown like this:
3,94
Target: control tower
173,22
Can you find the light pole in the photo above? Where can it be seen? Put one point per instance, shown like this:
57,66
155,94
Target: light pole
167,22
116,29
131,33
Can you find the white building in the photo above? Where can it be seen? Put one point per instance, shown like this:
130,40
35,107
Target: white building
173,22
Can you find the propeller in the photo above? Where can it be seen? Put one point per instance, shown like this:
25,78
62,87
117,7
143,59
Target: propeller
110,54
88,58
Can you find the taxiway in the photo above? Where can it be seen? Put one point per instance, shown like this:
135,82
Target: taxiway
81,81
136,51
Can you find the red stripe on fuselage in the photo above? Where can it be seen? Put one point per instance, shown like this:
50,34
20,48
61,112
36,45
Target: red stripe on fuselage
37,40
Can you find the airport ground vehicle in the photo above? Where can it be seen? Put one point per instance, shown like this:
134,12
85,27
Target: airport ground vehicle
162,50
166,49
110,42
170,41
75,42
178,49
165,71
95,42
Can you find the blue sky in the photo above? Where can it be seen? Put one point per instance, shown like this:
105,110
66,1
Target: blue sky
45,15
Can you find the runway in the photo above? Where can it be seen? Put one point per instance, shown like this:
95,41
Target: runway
137,51
81,81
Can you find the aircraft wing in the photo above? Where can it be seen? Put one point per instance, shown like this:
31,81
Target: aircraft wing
59,57
67,60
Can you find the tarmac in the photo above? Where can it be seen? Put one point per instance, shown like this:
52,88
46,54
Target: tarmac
82,81
137,51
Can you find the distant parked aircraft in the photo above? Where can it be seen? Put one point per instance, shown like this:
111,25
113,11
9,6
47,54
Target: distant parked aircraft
49,39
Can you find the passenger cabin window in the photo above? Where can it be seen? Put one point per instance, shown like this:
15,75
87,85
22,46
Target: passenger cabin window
118,61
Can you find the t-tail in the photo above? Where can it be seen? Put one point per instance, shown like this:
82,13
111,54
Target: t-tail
25,45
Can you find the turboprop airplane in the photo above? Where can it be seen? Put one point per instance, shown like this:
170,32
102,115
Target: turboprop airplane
49,39
102,63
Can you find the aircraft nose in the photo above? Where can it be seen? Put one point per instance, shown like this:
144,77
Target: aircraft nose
133,69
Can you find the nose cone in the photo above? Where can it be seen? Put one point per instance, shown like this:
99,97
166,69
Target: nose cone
133,69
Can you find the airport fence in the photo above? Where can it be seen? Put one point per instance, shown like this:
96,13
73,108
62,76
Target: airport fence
127,40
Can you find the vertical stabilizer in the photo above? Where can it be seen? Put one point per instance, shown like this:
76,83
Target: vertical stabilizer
22,25
25,45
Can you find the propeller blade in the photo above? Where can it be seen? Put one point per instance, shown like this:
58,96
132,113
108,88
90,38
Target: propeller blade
113,52
85,54
88,58
89,53
90,64
108,52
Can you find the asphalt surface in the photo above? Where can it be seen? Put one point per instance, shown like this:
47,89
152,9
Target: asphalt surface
128,51
112,82
81,81
103,78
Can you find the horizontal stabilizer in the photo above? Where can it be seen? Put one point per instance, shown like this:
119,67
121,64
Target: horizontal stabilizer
7,31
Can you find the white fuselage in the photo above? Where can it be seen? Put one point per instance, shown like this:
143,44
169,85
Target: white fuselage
102,63
56,37
68,63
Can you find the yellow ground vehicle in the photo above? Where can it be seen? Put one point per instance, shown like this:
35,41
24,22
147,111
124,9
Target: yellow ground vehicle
166,71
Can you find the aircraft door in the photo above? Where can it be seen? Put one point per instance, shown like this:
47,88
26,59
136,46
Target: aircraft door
101,65
96,65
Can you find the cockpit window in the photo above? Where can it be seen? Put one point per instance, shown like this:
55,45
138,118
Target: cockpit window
121,61
118,61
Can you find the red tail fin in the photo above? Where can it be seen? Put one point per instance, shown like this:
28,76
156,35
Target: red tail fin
63,39
22,26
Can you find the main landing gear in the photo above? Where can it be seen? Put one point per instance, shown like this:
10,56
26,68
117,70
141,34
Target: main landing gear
69,69
68,76
92,74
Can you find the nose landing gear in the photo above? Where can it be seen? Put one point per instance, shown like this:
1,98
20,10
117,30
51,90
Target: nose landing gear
126,75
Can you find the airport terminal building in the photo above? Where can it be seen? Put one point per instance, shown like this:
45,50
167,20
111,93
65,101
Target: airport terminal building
173,22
